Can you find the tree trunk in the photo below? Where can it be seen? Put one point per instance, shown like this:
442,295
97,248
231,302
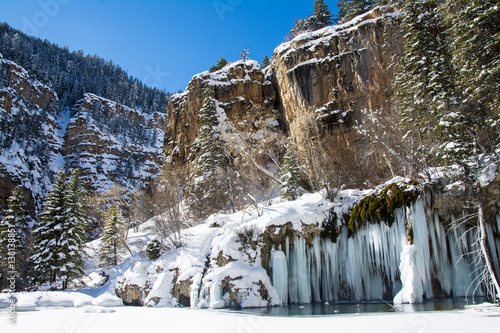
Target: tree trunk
485,252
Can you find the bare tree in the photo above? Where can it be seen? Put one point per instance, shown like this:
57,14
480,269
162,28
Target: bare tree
170,218
244,54
479,255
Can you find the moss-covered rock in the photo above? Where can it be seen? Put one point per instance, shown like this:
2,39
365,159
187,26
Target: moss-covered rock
382,206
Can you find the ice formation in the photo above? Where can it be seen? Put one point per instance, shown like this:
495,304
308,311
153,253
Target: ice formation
366,266
412,291
304,267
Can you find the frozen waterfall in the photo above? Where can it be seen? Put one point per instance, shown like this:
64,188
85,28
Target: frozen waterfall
365,266
279,267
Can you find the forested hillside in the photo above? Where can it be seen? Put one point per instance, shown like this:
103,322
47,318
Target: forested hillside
72,74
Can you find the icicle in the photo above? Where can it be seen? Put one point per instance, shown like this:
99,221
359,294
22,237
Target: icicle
280,275
440,259
315,259
216,301
418,221
492,244
304,272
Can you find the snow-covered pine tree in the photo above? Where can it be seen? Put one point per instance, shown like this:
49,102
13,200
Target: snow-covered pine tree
290,178
75,232
474,26
322,15
302,25
58,241
348,9
15,226
206,188
113,239
265,62
469,134
424,84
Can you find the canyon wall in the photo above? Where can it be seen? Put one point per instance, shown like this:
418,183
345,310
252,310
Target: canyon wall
328,92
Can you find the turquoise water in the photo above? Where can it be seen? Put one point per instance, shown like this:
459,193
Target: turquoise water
343,308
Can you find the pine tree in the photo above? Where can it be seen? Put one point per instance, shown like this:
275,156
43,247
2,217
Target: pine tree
303,25
75,232
265,62
424,84
322,14
14,239
474,26
348,9
290,178
220,64
205,190
470,132
59,237
113,239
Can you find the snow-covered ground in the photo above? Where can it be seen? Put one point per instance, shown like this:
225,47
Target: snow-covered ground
95,319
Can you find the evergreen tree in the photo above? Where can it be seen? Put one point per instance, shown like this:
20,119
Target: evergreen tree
474,27
220,64
76,225
322,14
14,239
424,84
470,132
153,250
320,19
59,237
71,74
265,62
348,9
447,88
291,177
205,190
303,25
113,239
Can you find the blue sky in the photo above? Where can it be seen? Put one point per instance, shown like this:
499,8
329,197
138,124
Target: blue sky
163,43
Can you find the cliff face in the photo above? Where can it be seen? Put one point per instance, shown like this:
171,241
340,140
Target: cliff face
29,142
109,142
248,114
337,81
112,143
325,90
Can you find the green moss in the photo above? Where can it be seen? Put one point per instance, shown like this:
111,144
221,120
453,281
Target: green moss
382,206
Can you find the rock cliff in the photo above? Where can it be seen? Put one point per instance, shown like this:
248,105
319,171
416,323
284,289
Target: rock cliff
327,91
109,142
246,105
336,82
29,141
112,143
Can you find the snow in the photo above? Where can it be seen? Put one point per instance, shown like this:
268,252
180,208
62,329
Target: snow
484,318
311,39
363,266
489,173
31,301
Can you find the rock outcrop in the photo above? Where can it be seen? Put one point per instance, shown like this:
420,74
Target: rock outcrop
327,91
112,143
109,142
247,110
286,254
29,142
333,80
